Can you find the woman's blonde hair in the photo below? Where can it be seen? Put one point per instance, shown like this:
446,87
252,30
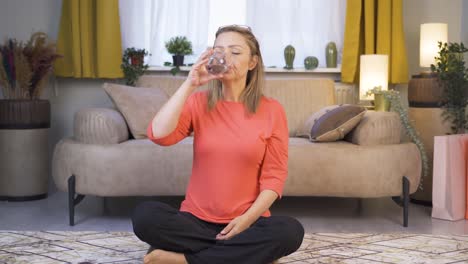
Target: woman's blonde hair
253,91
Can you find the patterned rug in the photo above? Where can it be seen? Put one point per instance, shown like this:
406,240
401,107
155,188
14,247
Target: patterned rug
122,247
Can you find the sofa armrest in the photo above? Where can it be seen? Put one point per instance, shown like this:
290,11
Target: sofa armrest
376,128
100,126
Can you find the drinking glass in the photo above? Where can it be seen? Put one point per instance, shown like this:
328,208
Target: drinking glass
217,63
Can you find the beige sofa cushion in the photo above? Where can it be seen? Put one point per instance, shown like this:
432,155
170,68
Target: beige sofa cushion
138,105
299,97
331,123
142,168
99,126
343,169
377,128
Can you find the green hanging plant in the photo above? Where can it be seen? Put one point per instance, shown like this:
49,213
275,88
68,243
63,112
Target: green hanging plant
394,98
175,70
133,65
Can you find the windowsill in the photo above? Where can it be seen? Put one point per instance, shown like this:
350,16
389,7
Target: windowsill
280,70
316,70
328,73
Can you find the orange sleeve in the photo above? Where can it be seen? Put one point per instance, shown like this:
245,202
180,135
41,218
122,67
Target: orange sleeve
184,126
275,163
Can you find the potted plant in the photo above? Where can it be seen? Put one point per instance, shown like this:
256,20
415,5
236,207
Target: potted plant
24,117
179,47
391,99
133,65
453,78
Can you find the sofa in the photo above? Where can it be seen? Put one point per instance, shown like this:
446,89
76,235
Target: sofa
103,159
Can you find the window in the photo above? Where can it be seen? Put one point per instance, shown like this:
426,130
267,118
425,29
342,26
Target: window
308,25
225,12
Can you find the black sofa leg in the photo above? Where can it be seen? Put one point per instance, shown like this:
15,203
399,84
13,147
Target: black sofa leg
404,202
406,198
72,201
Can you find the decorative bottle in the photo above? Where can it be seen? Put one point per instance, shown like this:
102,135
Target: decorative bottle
331,55
289,54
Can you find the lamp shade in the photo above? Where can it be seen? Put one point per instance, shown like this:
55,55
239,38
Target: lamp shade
374,72
431,34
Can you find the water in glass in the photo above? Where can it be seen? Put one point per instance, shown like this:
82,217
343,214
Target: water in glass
217,63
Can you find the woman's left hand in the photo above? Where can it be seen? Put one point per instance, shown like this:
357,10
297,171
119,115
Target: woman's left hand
236,226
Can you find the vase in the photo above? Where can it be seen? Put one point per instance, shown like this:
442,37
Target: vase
331,55
310,63
24,137
289,54
381,103
178,60
136,60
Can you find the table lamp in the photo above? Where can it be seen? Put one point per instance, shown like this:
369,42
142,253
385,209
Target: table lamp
373,73
423,88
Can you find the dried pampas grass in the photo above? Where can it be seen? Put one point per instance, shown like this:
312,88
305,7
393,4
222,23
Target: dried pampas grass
6,89
23,74
25,68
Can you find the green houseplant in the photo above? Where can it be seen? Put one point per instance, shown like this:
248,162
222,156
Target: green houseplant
453,78
179,47
393,99
133,64
25,68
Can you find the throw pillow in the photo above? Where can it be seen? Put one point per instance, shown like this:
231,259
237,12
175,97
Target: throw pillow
376,128
332,123
138,105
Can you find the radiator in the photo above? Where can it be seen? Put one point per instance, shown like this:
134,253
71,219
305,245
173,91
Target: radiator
345,93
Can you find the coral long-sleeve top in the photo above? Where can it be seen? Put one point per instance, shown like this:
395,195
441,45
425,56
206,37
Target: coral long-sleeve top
236,155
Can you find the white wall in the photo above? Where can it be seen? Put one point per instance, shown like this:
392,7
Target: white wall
417,12
464,22
19,18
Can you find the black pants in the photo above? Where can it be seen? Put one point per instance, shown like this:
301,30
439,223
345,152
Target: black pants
164,227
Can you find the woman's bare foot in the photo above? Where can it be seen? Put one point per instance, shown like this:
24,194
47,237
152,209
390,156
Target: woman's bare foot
159,256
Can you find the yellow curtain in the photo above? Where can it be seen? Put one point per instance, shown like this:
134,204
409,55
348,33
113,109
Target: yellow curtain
374,27
89,39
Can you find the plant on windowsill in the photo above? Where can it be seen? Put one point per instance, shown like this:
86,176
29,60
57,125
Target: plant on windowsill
393,98
133,64
179,47
453,78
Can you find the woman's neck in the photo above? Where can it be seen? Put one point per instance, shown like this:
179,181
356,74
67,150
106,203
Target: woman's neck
232,90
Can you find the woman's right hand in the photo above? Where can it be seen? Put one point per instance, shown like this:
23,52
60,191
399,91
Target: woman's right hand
198,75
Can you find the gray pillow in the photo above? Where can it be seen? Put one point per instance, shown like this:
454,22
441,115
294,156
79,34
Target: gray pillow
138,105
332,123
